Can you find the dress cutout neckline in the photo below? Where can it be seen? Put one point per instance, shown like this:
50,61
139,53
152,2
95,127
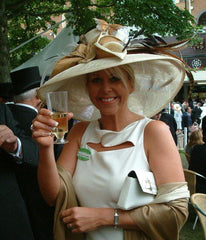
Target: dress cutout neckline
110,138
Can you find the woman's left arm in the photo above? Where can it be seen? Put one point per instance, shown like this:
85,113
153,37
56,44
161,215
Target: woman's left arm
162,154
163,220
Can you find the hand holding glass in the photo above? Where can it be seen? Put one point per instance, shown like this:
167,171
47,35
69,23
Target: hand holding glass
57,103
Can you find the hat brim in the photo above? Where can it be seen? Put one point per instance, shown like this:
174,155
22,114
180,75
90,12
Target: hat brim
158,78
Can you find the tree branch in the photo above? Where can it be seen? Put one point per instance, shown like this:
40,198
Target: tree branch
49,13
103,6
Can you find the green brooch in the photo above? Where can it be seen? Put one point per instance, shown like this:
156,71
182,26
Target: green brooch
83,154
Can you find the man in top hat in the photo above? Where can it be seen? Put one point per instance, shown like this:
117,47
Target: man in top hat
14,220
6,92
25,83
25,108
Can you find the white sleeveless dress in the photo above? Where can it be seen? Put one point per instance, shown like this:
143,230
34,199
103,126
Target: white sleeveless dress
98,178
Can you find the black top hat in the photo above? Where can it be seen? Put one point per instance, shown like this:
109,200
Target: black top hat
25,79
6,90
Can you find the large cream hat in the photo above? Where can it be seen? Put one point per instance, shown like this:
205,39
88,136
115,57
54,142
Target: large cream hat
157,77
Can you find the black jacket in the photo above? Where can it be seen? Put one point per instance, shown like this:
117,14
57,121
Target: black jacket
198,164
40,214
14,221
170,121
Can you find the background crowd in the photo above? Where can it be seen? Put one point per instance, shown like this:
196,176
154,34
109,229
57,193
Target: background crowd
190,116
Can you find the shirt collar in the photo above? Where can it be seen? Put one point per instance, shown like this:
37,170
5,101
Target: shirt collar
26,105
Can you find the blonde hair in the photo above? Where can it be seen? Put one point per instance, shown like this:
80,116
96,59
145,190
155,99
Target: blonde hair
196,137
119,71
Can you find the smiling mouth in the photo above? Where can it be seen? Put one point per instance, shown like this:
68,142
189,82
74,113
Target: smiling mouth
107,100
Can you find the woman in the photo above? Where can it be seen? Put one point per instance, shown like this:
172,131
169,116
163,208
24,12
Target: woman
195,138
178,116
108,89
198,164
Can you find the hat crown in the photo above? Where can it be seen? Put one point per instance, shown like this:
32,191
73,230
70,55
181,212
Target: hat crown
25,79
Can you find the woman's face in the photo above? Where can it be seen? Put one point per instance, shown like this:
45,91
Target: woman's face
109,90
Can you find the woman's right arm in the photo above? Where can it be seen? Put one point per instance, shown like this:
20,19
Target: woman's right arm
47,171
48,176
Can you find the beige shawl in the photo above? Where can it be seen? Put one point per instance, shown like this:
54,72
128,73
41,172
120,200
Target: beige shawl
150,219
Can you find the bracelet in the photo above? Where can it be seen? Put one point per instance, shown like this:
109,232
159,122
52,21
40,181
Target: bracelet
116,218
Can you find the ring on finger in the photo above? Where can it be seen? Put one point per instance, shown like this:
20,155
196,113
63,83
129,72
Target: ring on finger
32,127
70,226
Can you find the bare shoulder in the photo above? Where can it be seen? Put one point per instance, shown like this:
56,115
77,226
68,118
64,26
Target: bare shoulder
68,157
156,127
79,128
157,134
82,124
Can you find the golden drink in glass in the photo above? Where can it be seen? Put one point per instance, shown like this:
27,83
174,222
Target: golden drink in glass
62,128
57,103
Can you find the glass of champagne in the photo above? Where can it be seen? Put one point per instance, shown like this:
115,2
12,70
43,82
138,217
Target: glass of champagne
57,103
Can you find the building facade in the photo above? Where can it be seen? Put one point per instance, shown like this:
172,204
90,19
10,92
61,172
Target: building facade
195,56
196,7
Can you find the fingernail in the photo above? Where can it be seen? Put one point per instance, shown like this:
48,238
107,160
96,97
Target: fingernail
48,133
56,123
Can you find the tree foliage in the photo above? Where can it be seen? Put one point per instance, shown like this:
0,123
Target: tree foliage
155,16
162,17
26,18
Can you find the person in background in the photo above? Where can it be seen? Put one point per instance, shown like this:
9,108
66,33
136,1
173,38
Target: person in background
111,98
195,138
178,116
196,113
156,116
204,128
186,119
171,109
6,92
25,108
185,104
201,101
191,102
15,150
169,120
198,164
25,83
